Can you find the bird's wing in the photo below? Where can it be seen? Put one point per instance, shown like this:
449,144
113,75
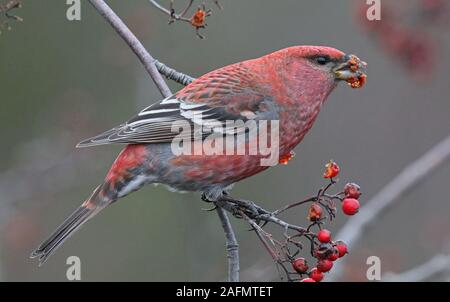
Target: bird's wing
202,103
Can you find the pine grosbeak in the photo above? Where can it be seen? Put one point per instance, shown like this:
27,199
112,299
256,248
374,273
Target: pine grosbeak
289,85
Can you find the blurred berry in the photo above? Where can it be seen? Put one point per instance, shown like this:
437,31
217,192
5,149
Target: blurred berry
324,236
352,190
324,265
315,212
316,275
331,170
350,206
300,265
342,248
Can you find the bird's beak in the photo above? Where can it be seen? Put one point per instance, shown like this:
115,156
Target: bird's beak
351,71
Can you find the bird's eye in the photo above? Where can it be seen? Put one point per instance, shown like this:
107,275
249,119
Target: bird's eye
322,60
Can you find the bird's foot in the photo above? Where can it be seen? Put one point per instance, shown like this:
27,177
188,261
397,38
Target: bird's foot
237,207
249,208
205,198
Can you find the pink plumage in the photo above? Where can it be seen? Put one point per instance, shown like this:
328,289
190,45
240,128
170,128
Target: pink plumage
288,86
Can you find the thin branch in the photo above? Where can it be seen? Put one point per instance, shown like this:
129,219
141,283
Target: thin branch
5,9
261,235
292,205
232,246
185,11
437,265
171,14
407,180
144,56
173,75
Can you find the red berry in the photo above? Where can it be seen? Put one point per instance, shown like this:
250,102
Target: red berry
324,265
323,251
342,248
300,265
334,255
331,170
350,206
352,190
307,280
316,275
324,236
315,212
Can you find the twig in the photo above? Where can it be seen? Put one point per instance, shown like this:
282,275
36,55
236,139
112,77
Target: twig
144,56
171,13
173,75
6,9
218,4
232,246
262,236
412,175
437,265
197,20
185,11
289,206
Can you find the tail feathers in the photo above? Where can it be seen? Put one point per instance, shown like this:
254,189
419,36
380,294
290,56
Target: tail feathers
73,223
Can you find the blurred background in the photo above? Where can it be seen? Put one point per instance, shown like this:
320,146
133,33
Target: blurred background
61,82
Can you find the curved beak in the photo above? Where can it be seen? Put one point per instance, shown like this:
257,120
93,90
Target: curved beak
352,70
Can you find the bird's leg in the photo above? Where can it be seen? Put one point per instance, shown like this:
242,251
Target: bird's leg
231,207
205,199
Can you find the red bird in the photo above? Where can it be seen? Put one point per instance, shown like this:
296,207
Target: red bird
288,86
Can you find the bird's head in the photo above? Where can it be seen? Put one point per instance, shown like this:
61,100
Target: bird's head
312,66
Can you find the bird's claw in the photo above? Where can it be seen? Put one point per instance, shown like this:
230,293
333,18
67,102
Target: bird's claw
205,198
247,207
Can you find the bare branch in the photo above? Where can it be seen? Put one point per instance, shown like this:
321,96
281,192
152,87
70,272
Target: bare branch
171,13
197,20
144,56
173,75
5,9
232,246
185,11
218,4
262,236
408,179
11,4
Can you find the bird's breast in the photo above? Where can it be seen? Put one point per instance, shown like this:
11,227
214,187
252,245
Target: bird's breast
295,122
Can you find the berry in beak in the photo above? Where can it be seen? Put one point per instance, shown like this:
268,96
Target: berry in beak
351,71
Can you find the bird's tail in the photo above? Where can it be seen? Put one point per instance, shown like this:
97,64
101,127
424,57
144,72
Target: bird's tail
86,211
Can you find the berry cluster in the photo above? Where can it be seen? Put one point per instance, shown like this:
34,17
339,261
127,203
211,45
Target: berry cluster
197,20
323,249
327,251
